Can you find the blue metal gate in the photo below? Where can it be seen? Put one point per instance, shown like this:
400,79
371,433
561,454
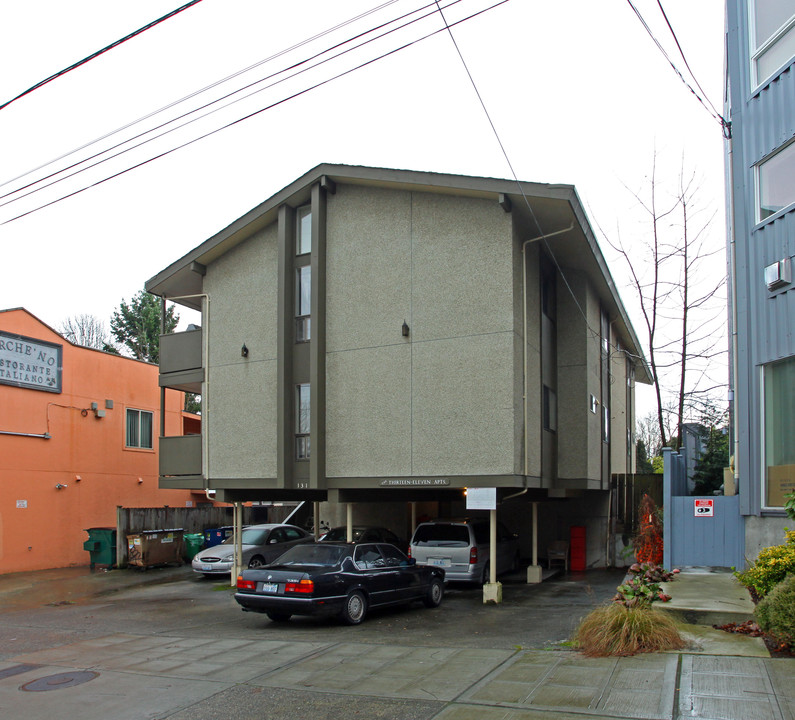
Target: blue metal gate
715,538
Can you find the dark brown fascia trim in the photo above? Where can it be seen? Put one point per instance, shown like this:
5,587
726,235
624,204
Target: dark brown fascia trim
427,482
296,193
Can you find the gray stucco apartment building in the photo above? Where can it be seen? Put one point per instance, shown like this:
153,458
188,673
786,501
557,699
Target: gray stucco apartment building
390,338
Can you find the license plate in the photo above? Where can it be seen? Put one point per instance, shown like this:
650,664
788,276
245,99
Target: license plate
207,568
269,587
439,562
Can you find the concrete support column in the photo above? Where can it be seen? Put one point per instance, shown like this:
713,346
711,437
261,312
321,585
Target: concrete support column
237,521
492,591
317,519
534,571
349,521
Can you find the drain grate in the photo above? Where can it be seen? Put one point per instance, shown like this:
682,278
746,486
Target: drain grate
61,680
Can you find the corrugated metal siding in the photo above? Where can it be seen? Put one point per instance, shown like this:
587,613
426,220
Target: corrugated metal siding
763,120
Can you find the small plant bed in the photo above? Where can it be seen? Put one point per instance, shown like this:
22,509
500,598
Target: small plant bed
630,625
776,648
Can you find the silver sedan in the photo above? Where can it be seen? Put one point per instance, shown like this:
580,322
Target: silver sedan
262,544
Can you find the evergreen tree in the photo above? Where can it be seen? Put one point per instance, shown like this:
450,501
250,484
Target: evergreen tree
136,326
708,475
642,463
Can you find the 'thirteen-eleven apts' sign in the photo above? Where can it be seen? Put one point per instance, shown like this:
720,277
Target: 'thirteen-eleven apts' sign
30,363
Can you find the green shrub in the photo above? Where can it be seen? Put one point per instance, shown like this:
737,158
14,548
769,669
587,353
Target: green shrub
771,567
775,613
619,630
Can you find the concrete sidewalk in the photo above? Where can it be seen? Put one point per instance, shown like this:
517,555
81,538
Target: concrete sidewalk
281,672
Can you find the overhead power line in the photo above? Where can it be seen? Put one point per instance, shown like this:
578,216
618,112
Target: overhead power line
255,113
100,52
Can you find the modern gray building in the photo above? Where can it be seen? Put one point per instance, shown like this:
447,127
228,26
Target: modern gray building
391,338
760,164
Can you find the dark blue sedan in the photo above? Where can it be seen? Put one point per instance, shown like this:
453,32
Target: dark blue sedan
338,579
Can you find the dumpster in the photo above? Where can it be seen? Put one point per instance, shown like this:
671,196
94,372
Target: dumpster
215,536
101,546
193,543
155,547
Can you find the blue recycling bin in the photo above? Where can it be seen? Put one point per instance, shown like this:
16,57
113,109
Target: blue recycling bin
215,536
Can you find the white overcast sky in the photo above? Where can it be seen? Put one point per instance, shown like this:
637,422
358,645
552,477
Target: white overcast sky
576,89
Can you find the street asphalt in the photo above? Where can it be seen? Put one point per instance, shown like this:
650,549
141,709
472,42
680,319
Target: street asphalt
167,644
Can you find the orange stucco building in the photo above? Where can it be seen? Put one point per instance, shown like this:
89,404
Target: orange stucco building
78,437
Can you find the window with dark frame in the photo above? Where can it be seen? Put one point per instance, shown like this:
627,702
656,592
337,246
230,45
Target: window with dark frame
302,416
138,433
303,303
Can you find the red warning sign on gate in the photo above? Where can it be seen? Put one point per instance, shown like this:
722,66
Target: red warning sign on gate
703,507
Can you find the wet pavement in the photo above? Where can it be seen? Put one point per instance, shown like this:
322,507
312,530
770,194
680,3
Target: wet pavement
167,644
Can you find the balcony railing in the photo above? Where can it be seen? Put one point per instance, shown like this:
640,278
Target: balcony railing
181,361
181,456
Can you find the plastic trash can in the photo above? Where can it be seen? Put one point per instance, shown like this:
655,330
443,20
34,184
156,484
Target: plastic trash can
215,536
193,543
101,546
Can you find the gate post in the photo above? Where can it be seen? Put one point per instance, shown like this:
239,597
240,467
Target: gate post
668,505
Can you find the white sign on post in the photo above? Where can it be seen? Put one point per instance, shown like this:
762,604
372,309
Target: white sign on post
703,507
482,499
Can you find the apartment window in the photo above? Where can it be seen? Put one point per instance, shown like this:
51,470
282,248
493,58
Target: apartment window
773,37
550,409
779,430
303,230
139,429
302,415
303,301
776,182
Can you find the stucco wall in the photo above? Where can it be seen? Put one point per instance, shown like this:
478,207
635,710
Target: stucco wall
242,285
442,400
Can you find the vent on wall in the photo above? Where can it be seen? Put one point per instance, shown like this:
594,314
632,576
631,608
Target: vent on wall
778,274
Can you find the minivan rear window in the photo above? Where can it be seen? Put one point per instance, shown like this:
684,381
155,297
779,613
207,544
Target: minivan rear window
451,535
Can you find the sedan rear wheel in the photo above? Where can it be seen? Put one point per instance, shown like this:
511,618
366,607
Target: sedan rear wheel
433,597
279,617
355,608
256,562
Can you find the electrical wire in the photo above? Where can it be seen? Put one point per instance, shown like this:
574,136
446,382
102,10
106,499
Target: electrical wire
222,98
725,124
198,92
253,114
100,52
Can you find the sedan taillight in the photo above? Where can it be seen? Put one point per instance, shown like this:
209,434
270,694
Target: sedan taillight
473,556
245,584
303,587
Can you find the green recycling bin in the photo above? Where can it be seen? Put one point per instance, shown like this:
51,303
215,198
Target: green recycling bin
101,546
193,543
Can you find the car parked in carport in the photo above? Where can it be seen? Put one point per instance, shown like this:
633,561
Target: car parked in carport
261,544
339,579
366,533
461,547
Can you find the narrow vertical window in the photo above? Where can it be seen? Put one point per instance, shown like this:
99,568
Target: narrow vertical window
303,230
139,429
302,416
779,449
303,302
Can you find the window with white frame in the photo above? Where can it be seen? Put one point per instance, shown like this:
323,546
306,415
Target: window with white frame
776,182
303,230
302,416
779,381
138,433
303,302
772,37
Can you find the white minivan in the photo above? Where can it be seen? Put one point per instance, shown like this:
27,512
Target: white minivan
461,547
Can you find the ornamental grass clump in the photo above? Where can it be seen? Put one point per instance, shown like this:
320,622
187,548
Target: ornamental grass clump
630,624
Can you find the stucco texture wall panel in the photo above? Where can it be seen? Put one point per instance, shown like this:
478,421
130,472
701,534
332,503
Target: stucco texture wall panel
242,421
242,285
368,261
462,257
368,412
463,406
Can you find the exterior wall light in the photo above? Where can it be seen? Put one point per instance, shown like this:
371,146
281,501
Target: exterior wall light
60,486
244,351
405,329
